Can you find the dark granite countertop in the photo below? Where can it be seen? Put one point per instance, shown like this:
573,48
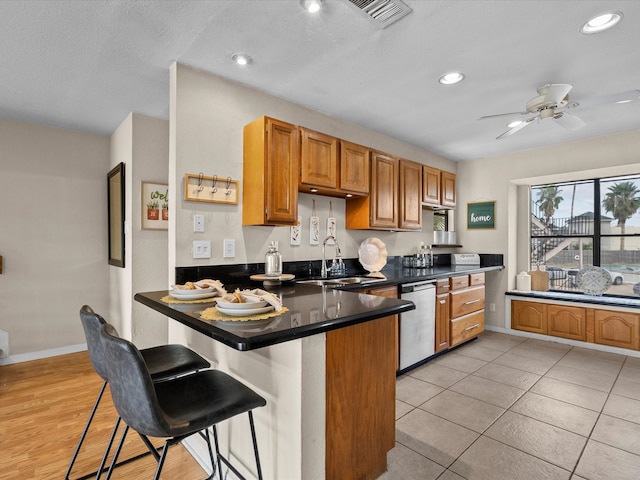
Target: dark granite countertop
311,310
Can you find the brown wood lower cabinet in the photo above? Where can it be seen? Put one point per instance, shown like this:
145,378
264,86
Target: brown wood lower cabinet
617,329
594,325
361,399
360,418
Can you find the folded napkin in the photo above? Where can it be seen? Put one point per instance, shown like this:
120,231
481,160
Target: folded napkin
263,295
215,284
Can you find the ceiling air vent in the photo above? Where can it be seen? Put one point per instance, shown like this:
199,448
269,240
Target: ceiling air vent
382,12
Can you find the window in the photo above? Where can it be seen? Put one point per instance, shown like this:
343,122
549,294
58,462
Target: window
592,222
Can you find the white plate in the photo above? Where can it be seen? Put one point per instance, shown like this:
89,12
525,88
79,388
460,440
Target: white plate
244,312
251,301
193,295
372,254
179,291
593,280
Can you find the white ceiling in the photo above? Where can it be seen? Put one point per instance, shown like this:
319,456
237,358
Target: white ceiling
85,65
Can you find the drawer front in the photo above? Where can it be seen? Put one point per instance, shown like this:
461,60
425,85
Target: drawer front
461,281
467,301
476,279
442,286
466,327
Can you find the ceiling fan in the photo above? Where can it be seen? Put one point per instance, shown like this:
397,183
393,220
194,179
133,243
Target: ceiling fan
553,102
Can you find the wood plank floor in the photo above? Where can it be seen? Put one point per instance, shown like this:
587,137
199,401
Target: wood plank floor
44,405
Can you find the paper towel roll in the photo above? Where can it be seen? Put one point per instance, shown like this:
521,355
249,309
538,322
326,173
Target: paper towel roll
523,282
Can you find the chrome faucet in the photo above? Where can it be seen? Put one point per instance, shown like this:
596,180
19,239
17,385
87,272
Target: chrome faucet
335,267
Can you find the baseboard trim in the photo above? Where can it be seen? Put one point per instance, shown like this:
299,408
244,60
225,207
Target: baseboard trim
52,352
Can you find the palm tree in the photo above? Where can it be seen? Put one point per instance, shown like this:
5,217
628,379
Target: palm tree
622,202
549,199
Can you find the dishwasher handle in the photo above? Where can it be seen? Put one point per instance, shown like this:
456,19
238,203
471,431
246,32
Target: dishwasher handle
416,287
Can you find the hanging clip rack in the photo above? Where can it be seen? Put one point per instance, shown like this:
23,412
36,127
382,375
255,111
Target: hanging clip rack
195,191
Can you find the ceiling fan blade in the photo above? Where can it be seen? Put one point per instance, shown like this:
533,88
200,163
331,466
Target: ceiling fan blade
511,114
556,92
568,121
515,129
623,97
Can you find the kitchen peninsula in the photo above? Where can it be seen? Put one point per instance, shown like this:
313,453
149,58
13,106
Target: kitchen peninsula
327,368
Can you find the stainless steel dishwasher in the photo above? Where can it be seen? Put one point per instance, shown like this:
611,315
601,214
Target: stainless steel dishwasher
417,327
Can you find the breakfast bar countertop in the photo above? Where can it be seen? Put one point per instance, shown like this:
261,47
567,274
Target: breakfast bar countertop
309,310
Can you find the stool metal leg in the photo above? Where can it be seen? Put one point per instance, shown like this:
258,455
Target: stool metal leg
255,444
84,432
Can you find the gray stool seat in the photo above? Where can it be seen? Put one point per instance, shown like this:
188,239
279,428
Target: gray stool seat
163,362
176,408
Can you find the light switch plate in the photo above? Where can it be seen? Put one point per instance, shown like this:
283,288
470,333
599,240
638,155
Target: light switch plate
198,223
202,249
229,248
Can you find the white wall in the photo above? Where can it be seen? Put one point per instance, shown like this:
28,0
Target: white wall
501,179
53,235
209,115
142,143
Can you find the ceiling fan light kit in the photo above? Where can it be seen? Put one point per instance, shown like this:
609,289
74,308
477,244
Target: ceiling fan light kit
553,102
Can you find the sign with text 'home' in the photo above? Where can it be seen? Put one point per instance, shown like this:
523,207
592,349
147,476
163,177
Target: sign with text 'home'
481,215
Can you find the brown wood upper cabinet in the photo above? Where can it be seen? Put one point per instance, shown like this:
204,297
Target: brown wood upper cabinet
430,186
330,166
270,170
394,201
410,206
448,189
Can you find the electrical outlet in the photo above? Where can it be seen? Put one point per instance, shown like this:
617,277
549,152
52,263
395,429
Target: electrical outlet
229,248
198,223
201,249
492,307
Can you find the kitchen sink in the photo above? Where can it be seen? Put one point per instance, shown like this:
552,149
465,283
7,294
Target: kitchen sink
341,282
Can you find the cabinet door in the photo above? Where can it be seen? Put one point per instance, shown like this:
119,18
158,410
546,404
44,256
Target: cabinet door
442,322
410,204
448,189
318,160
354,168
281,173
617,329
384,191
567,322
529,316
430,186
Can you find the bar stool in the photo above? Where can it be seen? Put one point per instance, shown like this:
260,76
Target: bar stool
163,362
177,408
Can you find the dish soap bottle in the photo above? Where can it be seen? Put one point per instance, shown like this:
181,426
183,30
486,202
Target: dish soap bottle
273,261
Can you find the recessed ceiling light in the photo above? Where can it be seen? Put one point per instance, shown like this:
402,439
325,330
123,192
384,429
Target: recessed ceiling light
515,123
311,6
601,23
241,59
451,78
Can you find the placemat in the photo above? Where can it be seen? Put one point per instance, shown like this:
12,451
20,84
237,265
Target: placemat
213,314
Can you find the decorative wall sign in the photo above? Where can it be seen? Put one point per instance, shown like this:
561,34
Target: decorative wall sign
155,206
296,233
115,202
216,189
481,215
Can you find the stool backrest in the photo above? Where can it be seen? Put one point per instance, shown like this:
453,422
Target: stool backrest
92,323
131,386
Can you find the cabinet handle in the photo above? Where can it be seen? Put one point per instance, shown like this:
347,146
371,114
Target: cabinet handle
472,301
442,302
471,327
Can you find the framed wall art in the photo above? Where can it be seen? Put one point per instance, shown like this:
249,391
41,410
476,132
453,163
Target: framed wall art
155,206
115,205
481,215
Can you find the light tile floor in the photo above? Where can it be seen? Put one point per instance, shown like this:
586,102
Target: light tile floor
509,408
